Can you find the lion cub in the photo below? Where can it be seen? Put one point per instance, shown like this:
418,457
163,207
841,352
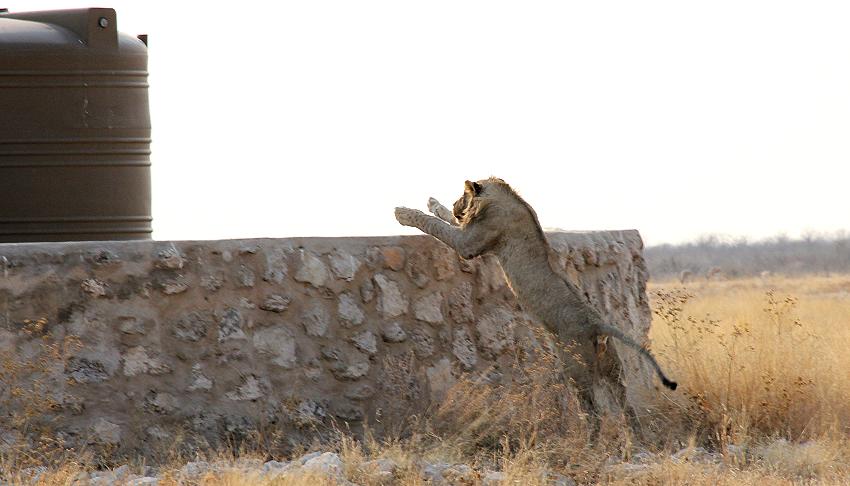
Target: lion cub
491,218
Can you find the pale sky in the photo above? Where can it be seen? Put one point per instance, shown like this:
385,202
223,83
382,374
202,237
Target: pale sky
317,118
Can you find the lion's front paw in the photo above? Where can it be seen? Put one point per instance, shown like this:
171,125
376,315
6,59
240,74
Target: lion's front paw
407,216
434,205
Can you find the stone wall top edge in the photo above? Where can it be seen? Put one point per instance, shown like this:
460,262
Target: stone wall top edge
317,243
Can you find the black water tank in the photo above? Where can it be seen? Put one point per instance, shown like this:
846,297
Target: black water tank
74,128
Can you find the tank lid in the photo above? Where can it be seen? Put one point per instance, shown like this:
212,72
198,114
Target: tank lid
90,27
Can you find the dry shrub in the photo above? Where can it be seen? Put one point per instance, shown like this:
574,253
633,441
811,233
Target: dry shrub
73,474
533,407
821,459
671,473
755,362
780,463
28,382
529,423
235,478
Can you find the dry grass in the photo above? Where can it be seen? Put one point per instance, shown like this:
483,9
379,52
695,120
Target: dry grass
758,358
763,363
764,371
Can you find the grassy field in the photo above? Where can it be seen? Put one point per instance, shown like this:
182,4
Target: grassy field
765,369
764,399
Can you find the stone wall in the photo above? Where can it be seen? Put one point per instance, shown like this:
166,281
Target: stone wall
130,343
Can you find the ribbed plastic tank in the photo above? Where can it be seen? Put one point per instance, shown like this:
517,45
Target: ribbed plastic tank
74,128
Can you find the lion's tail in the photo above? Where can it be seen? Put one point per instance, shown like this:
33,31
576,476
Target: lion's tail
613,331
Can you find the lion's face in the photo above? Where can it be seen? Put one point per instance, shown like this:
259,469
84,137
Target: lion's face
461,208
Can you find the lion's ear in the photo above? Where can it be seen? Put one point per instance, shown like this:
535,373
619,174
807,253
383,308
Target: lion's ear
473,187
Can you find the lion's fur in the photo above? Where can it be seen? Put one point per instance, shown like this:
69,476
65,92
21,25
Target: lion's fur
493,219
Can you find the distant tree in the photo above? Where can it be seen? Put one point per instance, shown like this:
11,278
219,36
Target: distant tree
813,253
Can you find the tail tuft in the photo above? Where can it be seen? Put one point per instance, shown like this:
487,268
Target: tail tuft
669,383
